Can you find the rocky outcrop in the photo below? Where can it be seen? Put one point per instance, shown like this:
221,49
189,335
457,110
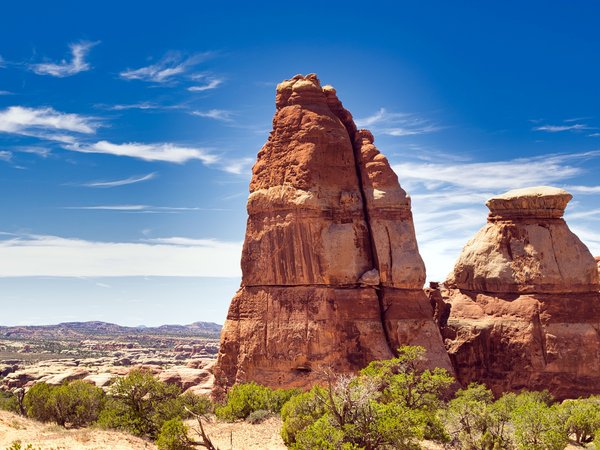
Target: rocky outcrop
521,308
332,276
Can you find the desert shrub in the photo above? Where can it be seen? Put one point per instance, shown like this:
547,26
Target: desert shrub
259,416
582,418
76,404
243,399
9,402
16,445
301,411
197,404
38,402
538,424
391,404
475,421
174,436
141,404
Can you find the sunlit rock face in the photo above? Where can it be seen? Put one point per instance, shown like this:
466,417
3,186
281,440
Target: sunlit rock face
521,308
332,276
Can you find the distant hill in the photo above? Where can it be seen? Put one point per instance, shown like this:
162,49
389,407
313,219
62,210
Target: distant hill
81,330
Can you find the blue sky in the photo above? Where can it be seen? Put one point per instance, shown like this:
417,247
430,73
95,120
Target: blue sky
128,130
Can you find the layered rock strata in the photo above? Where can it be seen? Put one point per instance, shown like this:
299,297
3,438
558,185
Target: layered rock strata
332,275
521,308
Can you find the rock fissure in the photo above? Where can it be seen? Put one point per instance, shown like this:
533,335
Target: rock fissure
323,204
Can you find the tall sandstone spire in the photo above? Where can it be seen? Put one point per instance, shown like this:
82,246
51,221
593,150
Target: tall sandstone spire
332,276
521,308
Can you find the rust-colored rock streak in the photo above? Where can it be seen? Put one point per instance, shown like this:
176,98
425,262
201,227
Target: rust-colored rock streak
332,275
523,301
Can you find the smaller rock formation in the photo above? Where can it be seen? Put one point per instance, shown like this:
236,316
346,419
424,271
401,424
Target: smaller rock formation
521,310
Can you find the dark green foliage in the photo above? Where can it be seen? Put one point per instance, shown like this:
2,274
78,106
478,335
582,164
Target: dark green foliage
174,436
582,418
301,411
474,421
38,402
243,399
141,404
197,404
390,405
76,403
538,425
9,402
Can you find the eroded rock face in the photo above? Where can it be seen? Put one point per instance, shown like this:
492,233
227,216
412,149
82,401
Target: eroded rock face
522,308
332,275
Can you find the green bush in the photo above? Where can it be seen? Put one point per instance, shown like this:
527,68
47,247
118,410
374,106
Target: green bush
475,421
9,402
244,399
301,411
256,417
76,403
538,425
582,418
174,436
38,402
141,404
391,404
197,404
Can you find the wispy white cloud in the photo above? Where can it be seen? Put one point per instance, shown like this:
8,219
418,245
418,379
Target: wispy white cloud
6,93
582,189
448,198
141,105
238,166
170,67
209,84
77,64
44,122
121,182
5,155
496,175
397,124
216,114
560,128
166,152
54,256
42,152
143,208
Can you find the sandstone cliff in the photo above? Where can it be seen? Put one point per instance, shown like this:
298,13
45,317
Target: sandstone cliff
332,275
521,308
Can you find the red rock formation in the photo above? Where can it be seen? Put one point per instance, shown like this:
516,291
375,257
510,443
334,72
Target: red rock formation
332,276
524,307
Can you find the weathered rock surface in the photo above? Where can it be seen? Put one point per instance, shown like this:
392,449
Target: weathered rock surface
526,247
332,275
522,307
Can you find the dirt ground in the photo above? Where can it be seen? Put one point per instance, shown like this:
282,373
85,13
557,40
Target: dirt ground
53,437
226,436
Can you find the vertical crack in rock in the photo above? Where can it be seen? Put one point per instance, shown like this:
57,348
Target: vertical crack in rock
331,272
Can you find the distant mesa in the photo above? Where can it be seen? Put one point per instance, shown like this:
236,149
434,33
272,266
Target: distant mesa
522,307
332,275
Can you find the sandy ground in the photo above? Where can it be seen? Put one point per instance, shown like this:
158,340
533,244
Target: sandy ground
53,437
243,436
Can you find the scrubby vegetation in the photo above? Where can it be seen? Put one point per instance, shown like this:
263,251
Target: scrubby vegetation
392,404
